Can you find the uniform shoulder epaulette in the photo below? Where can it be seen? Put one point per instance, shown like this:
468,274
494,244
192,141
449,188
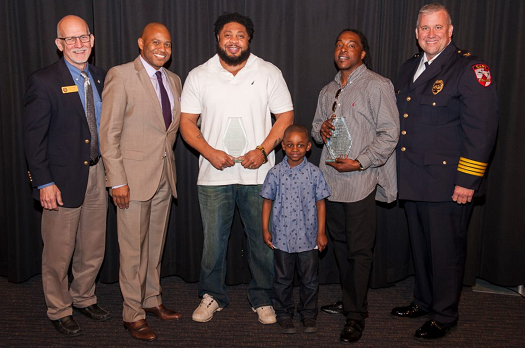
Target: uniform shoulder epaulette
464,53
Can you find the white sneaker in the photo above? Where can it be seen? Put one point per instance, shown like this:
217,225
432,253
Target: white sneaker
204,312
266,314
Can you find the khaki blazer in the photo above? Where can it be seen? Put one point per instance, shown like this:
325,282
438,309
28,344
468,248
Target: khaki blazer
133,136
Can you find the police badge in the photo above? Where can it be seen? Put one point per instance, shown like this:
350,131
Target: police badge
438,86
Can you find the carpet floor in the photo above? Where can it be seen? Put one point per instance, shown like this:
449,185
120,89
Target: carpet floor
487,320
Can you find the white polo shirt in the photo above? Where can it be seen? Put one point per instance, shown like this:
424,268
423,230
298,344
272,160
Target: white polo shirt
257,90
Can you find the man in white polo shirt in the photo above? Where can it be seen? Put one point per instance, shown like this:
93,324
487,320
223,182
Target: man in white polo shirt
234,93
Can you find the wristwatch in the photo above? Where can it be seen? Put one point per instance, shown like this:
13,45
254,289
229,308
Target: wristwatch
360,166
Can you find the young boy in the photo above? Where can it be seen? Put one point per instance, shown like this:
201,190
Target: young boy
297,190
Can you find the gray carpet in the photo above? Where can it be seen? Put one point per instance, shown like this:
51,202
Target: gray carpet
487,320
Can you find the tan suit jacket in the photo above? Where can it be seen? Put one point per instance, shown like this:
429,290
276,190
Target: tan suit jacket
133,136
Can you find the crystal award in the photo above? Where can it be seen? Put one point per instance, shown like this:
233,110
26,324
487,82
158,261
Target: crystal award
234,140
340,142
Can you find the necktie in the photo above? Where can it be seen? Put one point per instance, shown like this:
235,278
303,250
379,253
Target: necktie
164,100
90,116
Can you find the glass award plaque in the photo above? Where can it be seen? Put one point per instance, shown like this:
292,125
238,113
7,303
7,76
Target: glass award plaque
235,140
340,142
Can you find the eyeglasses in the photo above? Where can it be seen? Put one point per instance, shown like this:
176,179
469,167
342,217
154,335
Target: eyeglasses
334,105
73,39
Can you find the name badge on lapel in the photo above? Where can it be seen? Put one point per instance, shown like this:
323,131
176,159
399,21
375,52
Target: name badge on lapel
438,86
70,89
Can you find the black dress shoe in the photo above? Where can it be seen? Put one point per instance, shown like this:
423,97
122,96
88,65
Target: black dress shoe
433,330
411,311
334,308
352,331
95,312
67,326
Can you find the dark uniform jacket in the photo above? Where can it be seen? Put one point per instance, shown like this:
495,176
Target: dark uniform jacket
448,125
56,132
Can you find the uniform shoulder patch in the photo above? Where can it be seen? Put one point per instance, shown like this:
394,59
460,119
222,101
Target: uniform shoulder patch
482,72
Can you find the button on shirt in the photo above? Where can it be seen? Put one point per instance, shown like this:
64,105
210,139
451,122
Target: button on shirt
294,192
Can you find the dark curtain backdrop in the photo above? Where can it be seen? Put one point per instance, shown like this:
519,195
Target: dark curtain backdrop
298,37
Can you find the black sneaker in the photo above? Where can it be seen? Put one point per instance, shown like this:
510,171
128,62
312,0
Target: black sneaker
309,325
287,326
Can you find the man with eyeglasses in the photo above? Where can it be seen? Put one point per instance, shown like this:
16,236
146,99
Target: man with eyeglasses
61,121
139,123
367,173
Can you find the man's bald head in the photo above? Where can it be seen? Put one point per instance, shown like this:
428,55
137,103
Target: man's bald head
69,21
155,44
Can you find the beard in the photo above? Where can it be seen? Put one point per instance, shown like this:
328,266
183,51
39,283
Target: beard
233,61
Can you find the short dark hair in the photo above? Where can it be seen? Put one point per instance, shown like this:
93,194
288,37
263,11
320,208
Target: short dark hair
368,58
430,9
296,128
228,17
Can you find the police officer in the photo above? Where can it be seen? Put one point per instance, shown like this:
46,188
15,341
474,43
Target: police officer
448,111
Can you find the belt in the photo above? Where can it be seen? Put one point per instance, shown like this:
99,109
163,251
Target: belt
93,162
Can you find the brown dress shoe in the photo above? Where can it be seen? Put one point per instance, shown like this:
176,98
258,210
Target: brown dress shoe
163,313
140,330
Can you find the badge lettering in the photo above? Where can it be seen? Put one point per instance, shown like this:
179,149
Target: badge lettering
69,89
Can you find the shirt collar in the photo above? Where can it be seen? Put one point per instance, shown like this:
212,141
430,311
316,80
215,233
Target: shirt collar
434,58
149,69
353,76
75,72
298,167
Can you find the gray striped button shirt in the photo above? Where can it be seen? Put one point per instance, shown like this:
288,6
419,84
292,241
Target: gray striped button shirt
368,103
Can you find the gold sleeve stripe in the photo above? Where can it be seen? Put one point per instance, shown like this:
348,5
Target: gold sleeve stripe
471,162
470,166
469,172
471,169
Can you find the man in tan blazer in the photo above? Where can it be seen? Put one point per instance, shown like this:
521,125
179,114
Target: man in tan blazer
139,123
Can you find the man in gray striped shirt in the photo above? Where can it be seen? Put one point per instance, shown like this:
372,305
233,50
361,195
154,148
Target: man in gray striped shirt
367,102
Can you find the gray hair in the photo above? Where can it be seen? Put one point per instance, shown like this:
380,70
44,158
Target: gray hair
433,8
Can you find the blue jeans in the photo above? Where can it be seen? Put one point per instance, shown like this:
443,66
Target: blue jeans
217,204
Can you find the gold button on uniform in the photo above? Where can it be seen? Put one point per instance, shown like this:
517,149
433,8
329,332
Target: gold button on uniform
403,149
405,115
86,163
404,132
409,99
434,104
86,141
444,162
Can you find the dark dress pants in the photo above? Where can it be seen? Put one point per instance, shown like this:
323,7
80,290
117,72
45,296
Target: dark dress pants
438,235
307,265
352,229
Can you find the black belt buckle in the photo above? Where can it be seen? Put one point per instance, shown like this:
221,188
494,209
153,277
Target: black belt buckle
93,162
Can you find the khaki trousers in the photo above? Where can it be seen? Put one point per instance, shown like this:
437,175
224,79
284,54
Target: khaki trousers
76,236
141,235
